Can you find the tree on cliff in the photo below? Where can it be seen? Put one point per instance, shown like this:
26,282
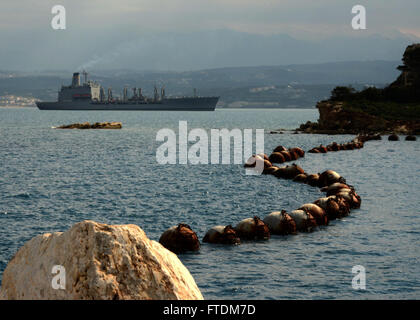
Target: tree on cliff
406,89
342,93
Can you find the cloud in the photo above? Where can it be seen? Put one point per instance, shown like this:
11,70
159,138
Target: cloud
265,16
100,32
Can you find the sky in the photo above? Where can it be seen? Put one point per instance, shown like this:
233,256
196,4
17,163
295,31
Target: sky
109,31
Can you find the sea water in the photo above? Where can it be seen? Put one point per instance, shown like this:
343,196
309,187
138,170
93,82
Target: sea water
51,179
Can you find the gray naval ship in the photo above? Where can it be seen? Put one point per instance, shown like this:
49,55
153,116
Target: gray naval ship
91,96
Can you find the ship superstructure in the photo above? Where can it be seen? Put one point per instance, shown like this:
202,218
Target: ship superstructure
89,90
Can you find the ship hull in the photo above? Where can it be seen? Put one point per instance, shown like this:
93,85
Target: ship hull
170,104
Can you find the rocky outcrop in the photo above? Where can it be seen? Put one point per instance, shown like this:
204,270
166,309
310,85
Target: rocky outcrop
96,125
334,119
332,116
410,70
393,109
101,262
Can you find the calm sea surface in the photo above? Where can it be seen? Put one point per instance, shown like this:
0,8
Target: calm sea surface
51,179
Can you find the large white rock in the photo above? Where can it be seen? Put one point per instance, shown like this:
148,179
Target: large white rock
101,262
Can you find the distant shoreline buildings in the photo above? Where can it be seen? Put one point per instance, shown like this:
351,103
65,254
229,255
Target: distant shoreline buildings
17,101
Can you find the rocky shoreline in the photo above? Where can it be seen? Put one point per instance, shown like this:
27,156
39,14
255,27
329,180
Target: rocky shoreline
335,119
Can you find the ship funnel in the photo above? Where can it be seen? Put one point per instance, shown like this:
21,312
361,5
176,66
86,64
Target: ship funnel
76,80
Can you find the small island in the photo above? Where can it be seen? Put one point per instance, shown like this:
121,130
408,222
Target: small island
393,109
96,125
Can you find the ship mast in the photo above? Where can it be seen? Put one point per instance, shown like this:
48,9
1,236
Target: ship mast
156,95
85,74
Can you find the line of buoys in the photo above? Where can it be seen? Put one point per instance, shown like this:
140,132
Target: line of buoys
333,147
180,238
281,154
317,212
334,207
410,138
320,149
280,223
252,229
339,200
222,235
251,162
356,143
368,137
296,173
305,222
394,137
287,172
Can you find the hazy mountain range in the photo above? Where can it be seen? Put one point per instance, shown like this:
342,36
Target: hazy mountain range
116,49
268,86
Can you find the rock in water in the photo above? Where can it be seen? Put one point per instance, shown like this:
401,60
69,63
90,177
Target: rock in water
101,262
96,125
